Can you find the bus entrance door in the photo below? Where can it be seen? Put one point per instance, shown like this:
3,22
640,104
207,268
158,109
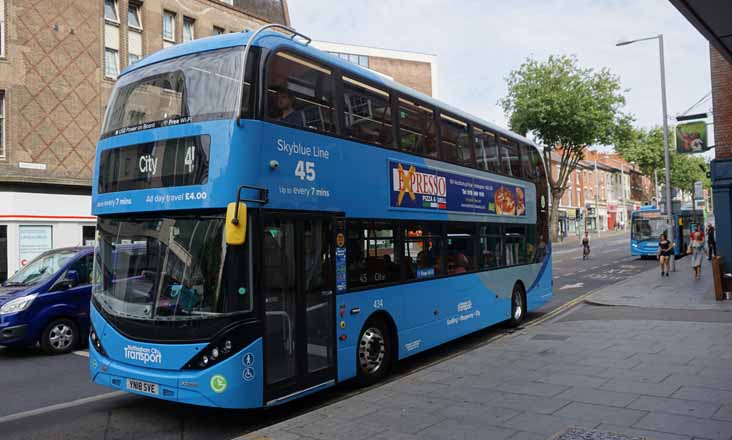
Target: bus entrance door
298,284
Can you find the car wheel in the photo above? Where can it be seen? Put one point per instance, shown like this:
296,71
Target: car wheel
518,306
374,352
60,336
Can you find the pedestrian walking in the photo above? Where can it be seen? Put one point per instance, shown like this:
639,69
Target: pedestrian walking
665,247
711,241
586,246
697,251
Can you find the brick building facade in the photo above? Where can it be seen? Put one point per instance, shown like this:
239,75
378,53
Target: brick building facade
713,19
721,70
601,192
58,63
413,69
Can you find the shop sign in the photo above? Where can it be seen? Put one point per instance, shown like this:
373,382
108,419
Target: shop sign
691,137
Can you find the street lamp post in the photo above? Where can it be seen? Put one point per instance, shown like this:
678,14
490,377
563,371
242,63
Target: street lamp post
597,200
622,193
667,154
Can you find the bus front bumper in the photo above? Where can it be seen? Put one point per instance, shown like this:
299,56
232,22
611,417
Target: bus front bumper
232,383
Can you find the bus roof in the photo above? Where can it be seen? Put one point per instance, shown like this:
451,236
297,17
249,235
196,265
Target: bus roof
273,40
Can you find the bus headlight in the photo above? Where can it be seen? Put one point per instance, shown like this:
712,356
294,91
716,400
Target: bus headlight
17,305
221,348
96,342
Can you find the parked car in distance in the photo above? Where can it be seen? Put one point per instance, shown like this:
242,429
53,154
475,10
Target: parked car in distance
47,301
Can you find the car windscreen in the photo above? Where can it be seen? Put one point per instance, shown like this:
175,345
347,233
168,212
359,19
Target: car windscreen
40,269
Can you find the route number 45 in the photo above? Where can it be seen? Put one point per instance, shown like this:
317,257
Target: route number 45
305,170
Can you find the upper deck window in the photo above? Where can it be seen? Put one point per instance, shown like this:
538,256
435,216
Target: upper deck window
300,93
510,158
417,132
486,150
367,113
455,141
196,87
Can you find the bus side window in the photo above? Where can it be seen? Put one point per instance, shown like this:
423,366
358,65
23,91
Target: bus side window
510,158
491,247
300,93
460,250
423,252
516,247
367,113
527,169
455,141
486,150
417,132
371,256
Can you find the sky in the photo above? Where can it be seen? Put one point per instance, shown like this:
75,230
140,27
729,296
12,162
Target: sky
478,43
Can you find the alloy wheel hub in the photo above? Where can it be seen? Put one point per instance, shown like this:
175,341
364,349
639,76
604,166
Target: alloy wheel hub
371,350
61,336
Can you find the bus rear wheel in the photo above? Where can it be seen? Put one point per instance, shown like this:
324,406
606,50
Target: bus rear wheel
375,354
518,306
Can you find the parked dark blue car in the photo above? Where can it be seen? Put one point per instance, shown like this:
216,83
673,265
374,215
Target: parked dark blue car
47,301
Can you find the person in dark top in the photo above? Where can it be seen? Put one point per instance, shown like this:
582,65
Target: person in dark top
711,241
665,247
585,246
286,107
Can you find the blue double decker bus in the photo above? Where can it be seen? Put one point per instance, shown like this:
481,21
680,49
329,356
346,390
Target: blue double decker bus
273,220
648,223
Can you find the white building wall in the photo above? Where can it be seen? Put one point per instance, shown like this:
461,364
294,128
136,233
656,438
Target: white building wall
65,214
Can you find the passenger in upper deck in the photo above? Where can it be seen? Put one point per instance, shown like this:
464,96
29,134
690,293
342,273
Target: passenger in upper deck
286,106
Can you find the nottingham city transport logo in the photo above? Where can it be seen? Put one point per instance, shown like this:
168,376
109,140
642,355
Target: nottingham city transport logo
143,354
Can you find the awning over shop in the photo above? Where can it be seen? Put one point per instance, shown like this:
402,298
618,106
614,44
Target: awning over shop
713,19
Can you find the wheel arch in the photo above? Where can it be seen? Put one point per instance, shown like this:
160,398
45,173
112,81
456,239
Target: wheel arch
521,284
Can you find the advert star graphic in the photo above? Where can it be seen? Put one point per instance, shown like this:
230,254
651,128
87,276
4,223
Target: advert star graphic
406,180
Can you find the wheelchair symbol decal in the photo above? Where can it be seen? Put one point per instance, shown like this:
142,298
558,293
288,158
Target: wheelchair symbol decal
248,374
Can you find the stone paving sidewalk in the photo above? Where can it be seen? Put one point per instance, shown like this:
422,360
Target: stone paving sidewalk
651,379
677,291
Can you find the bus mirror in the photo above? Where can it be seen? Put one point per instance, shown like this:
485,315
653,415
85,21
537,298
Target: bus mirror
236,223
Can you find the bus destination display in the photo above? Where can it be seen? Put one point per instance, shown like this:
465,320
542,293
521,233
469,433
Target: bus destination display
160,164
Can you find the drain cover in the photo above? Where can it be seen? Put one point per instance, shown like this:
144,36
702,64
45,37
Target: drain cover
591,434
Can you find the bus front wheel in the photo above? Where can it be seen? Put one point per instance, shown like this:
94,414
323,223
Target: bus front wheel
518,306
374,352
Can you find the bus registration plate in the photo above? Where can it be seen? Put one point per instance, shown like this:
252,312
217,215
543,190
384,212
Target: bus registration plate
142,387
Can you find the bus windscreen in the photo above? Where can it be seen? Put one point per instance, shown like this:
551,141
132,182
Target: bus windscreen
648,226
197,87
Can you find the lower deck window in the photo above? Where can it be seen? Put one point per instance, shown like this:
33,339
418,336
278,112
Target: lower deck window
388,252
371,255
423,252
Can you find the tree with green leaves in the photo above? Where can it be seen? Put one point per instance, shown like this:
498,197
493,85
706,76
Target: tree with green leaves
565,107
645,148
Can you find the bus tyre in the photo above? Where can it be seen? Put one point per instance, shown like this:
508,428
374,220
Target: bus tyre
518,306
60,336
375,354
